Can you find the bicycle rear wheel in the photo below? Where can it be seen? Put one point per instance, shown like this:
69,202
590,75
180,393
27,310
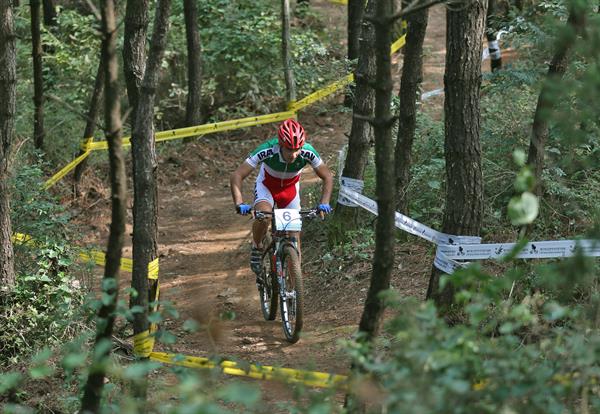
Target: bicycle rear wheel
267,285
292,303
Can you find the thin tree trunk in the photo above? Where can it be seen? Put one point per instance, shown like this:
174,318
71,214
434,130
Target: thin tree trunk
462,82
383,260
145,166
290,85
106,315
134,50
412,76
193,113
356,11
50,17
545,104
38,79
8,82
91,122
361,131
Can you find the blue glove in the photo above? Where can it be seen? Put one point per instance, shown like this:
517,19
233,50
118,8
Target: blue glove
243,209
325,208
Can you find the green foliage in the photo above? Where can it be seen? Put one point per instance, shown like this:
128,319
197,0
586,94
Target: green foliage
35,211
428,172
43,308
523,208
536,354
70,60
241,52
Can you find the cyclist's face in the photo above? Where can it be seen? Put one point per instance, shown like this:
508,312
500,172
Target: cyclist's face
290,155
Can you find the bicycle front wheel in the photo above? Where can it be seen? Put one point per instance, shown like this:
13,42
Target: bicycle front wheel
267,285
292,294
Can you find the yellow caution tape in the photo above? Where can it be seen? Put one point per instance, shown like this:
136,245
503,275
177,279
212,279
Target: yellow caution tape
89,145
321,93
480,385
310,378
399,43
207,128
70,166
335,86
99,258
153,269
143,344
342,2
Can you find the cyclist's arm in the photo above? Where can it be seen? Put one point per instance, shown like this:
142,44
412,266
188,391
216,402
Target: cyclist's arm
324,174
235,181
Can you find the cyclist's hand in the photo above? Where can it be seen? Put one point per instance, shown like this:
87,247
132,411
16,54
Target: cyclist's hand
243,209
325,208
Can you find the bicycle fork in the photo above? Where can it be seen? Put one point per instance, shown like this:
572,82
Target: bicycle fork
284,294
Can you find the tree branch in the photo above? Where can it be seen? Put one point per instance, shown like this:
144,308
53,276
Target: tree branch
74,110
94,10
417,5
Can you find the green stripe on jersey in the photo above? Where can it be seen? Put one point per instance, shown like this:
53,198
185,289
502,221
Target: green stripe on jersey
268,152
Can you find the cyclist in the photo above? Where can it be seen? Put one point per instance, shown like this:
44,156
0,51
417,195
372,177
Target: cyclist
281,161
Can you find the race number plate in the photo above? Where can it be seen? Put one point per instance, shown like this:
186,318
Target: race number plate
288,220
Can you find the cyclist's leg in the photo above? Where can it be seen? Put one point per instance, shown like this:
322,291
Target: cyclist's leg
260,227
263,201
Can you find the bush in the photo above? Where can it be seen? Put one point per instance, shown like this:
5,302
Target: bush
530,355
43,308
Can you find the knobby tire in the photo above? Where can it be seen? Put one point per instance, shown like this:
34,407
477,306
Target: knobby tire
292,307
268,291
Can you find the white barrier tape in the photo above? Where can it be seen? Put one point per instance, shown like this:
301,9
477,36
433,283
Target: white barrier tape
352,184
431,94
452,248
533,250
493,51
409,225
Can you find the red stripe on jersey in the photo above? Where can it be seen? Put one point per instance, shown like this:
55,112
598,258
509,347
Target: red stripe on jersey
283,190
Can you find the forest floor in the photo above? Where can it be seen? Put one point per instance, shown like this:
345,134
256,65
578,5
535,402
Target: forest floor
204,246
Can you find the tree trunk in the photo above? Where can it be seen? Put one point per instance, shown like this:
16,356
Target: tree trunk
106,315
38,79
412,76
145,166
383,260
134,50
361,132
8,82
462,81
90,124
290,85
545,103
50,17
193,113
356,9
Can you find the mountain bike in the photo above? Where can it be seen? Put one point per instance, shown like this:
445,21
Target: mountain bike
281,277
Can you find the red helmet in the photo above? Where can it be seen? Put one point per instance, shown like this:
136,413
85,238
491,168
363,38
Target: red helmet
291,134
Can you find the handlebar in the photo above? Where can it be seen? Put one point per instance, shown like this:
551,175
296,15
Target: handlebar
308,213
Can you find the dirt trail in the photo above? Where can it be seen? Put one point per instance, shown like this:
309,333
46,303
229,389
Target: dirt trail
205,269
204,245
